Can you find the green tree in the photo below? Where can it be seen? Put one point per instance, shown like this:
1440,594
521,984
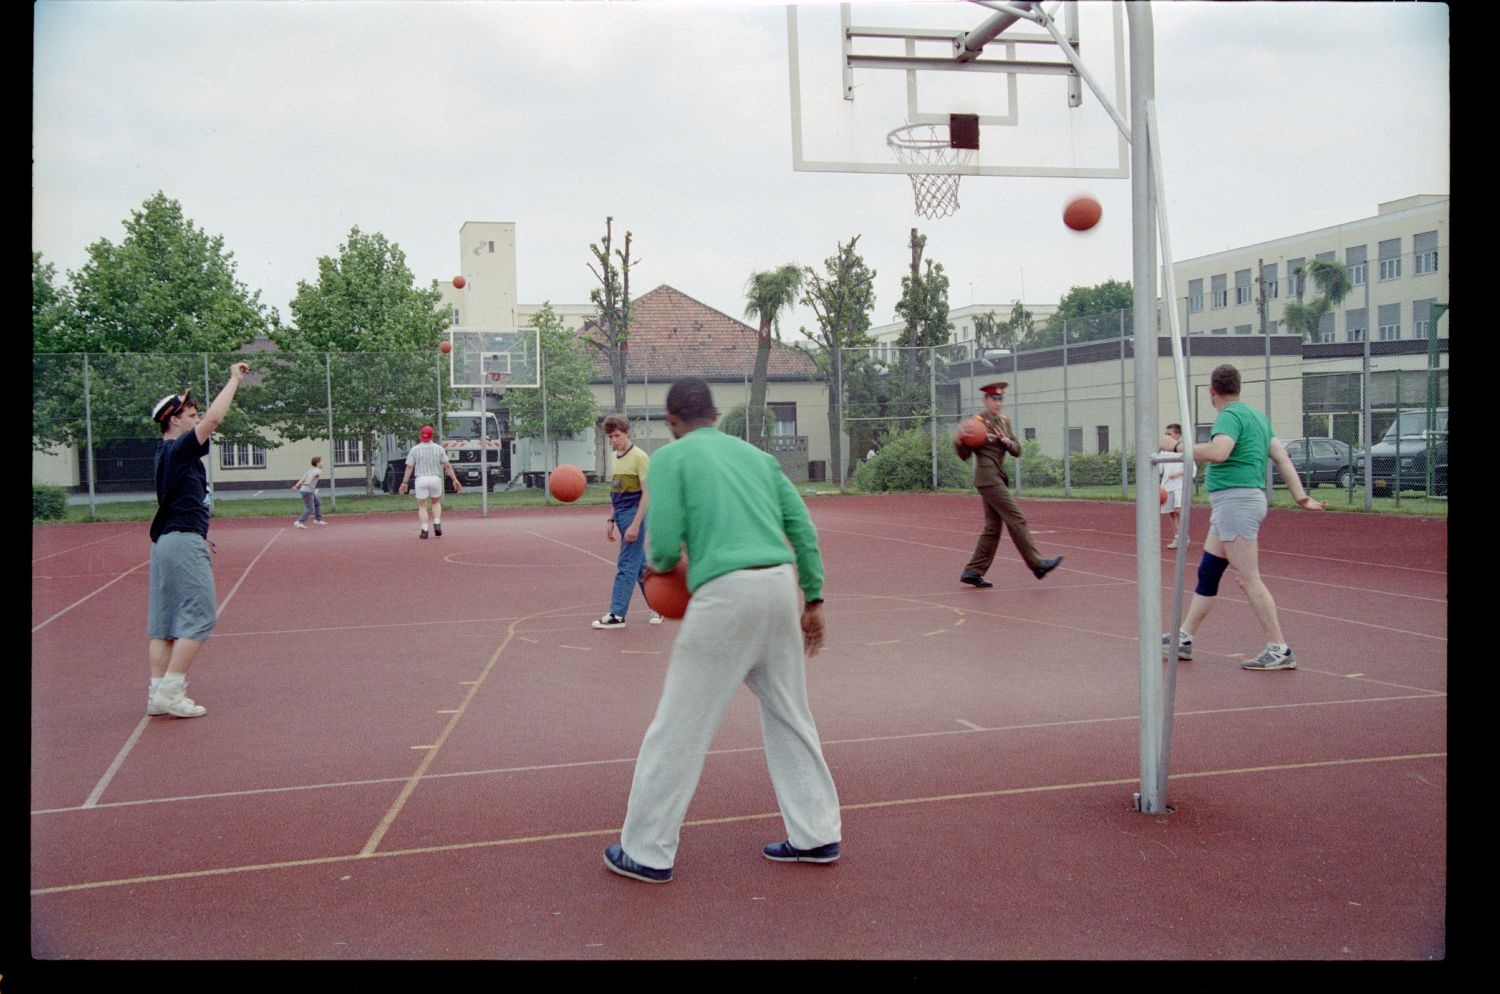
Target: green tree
147,311
1332,280
1080,302
924,307
567,368
367,334
992,333
767,295
841,297
732,422
610,328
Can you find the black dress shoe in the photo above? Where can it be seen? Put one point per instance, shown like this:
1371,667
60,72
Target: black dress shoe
1047,566
974,579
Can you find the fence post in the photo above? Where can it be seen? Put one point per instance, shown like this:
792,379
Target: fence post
208,395
333,497
88,433
932,407
1067,428
1124,425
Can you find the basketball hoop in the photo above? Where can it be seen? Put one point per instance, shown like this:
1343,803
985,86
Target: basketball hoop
936,194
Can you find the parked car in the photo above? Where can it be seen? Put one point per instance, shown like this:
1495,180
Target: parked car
1323,460
1399,460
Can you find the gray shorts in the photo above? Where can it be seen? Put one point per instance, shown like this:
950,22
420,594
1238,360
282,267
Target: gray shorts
1236,512
182,603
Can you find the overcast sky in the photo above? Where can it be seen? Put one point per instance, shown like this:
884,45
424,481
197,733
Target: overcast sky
279,126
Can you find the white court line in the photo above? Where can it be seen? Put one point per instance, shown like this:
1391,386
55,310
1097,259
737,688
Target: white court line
135,736
85,597
725,820
971,729
64,552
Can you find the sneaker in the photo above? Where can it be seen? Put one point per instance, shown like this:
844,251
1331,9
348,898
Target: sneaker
180,706
320,521
298,524
618,862
1046,566
1184,645
1172,544
974,579
610,621
785,852
1272,659
655,618
437,528
151,707
422,533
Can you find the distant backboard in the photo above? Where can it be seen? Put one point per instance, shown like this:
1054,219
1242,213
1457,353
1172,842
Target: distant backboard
494,360
857,71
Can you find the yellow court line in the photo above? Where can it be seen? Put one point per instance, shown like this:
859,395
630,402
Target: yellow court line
726,820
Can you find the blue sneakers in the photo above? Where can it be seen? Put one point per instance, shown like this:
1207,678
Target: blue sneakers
785,852
618,862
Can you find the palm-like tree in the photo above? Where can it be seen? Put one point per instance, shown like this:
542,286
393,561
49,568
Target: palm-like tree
766,296
1332,280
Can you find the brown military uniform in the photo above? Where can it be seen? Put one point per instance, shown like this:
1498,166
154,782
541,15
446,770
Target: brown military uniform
1000,509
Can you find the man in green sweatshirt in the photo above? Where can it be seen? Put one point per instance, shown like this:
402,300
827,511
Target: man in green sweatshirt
733,510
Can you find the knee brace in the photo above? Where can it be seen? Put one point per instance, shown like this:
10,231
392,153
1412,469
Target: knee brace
1210,570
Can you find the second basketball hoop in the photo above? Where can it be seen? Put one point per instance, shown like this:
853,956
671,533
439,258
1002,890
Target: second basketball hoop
946,145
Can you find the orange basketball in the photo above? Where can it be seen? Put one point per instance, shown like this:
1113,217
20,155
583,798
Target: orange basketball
567,483
1163,495
667,593
459,282
445,347
972,433
1082,213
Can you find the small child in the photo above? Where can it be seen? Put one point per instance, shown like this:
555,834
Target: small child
308,488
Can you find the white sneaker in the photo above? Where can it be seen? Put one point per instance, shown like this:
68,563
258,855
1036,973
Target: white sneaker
179,706
320,521
298,524
655,618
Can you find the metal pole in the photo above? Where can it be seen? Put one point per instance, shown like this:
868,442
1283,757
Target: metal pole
1259,271
838,361
1437,310
207,396
1364,393
333,498
88,433
546,443
1124,425
1067,434
1151,799
932,400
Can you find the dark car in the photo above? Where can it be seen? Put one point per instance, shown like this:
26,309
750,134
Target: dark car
1399,460
1323,460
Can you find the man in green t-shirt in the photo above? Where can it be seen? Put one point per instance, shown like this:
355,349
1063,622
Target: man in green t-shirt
1240,443
751,619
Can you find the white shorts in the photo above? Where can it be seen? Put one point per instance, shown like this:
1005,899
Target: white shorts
428,486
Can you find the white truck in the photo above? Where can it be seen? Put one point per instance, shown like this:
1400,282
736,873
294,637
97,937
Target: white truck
469,450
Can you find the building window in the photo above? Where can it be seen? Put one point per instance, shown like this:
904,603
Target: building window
1354,261
348,452
1242,286
1325,328
1421,313
1102,434
1390,259
786,418
1030,434
1356,324
1219,331
1195,296
1426,247
1075,441
455,322
235,455
1296,283
1357,274
1242,329
1218,292
1388,322
1273,327
1426,262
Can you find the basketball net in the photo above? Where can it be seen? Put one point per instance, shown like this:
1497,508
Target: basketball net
936,194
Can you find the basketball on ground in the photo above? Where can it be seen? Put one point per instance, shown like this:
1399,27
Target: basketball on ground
1082,213
567,483
667,593
972,433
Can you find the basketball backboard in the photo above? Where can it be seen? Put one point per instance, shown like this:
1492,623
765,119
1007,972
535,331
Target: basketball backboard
859,71
494,360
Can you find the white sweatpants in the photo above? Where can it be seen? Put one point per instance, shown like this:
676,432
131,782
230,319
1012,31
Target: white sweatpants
742,627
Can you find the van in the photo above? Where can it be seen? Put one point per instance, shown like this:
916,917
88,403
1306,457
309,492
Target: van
1399,460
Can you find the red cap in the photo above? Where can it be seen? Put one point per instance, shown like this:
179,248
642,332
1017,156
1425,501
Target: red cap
426,433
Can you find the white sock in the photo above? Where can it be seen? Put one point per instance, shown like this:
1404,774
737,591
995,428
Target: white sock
173,684
1278,647
155,685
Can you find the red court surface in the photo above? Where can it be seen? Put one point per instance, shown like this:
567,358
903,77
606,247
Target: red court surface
417,750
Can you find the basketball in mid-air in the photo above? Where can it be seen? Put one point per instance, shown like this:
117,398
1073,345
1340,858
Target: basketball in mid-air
972,433
1163,495
667,593
1082,213
459,281
567,483
445,347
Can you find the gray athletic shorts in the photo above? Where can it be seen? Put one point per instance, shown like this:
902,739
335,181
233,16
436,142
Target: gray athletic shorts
182,604
1236,512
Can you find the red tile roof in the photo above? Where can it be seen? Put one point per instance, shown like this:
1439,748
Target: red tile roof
672,335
